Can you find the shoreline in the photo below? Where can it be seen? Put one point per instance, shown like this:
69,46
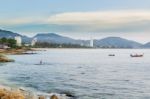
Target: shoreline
44,49
7,92
22,93
15,51
5,52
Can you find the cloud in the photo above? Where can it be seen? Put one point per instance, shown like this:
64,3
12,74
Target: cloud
103,18
22,21
105,21
101,21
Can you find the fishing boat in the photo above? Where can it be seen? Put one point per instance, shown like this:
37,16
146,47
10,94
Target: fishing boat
111,55
136,55
29,53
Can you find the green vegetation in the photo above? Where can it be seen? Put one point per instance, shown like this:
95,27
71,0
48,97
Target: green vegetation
9,42
55,45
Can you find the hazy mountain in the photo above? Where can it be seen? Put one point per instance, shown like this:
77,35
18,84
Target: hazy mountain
117,42
147,45
9,34
54,38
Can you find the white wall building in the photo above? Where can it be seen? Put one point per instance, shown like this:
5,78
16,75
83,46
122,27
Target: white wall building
33,41
18,40
91,43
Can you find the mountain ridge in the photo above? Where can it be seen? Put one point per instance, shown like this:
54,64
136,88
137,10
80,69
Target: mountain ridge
118,42
10,34
108,42
147,45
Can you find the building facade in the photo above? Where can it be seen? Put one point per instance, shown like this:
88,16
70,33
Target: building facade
91,43
18,40
33,41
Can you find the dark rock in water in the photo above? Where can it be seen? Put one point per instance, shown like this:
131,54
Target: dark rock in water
54,97
68,94
79,67
31,85
82,73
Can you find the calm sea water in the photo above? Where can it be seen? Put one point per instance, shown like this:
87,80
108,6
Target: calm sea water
85,73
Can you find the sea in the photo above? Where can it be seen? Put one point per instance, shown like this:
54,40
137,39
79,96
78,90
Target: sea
81,73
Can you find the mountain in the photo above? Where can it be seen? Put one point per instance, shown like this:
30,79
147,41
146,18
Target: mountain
9,34
147,45
55,38
116,42
109,42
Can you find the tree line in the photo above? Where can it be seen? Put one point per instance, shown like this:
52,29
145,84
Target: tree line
56,45
12,43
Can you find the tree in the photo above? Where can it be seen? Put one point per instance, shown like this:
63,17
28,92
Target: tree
11,43
3,40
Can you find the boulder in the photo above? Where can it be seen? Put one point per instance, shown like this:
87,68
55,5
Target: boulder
54,97
42,97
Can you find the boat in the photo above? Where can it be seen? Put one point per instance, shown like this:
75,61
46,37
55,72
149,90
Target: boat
111,55
137,55
29,53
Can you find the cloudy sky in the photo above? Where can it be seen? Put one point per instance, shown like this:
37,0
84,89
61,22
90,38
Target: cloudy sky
79,19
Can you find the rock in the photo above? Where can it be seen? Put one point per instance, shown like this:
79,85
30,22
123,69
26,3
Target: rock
54,97
6,94
68,94
5,59
42,97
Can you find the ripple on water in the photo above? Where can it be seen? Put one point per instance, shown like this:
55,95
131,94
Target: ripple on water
88,74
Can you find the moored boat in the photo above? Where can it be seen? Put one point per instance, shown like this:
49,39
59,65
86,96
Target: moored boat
111,55
137,55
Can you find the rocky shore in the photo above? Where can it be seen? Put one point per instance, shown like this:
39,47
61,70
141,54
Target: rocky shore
9,93
21,93
15,51
3,58
4,52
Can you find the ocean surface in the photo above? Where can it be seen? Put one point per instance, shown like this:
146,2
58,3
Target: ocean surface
84,73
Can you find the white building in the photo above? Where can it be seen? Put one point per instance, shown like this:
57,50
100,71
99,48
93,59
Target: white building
3,46
91,43
18,40
33,41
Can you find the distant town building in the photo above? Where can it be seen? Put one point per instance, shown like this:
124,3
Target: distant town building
4,46
33,41
82,44
91,43
27,45
60,46
18,40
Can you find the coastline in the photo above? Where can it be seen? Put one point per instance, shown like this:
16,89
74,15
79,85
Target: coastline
15,51
4,59
5,52
22,93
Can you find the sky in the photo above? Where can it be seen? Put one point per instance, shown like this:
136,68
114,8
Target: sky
79,19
